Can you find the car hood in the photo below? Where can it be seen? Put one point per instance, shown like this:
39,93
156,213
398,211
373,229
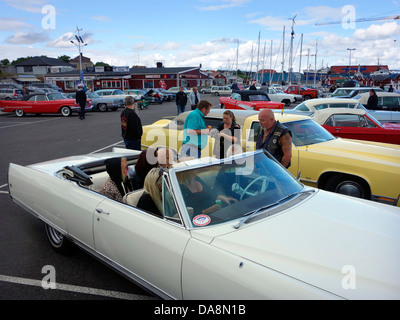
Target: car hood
383,153
350,249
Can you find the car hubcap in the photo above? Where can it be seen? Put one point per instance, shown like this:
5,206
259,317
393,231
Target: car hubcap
56,237
350,188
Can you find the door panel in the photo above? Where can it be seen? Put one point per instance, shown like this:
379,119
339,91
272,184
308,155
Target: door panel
148,246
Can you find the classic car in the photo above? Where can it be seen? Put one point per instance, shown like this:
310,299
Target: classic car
249,100
272,241
386,100
221,90
356,124
369,170
169,95
176,90
111,93
102,104
140,95
10,94
43,103
352,92
282,97
310,106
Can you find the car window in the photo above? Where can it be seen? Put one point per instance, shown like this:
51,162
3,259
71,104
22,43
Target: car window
32,98
329,121
307,132
302,107
347,120
390,101
236,96
118,92
341,105
41,97
213,122
321,106
169,206
55,96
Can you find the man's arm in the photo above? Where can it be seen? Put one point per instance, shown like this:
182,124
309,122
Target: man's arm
286,144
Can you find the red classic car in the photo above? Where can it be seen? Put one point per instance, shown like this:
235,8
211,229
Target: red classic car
43,103
357,124
249,100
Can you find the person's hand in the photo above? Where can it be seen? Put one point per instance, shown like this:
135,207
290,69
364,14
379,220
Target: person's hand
228,200
211,209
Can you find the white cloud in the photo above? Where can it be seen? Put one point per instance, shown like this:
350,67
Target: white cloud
13,24
64,41
378,31
33,6
225,4
27,38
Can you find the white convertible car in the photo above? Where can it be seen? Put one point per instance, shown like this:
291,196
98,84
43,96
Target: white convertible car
277,239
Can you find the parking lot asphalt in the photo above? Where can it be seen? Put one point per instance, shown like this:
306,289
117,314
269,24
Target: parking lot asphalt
24,249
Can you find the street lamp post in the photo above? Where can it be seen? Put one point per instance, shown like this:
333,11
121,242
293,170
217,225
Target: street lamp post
79,46
350,59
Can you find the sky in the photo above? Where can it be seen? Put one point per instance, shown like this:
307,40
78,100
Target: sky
216,34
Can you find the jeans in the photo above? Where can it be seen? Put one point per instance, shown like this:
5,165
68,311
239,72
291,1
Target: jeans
190,150
181,109
133,144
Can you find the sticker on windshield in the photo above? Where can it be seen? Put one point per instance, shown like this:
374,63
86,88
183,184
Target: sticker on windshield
201,220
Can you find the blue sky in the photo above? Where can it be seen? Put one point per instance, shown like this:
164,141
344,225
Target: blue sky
207,32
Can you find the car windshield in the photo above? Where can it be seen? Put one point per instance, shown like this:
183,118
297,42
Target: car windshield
56,96
302,107
92,95
234,188
307,132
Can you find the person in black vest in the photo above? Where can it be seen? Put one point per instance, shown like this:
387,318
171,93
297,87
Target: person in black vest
131,126
275,138
80,99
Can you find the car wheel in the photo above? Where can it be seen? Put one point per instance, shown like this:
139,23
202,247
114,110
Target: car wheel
307,97
216,93
8,98
286,102
19,113
222,106
66,111
102,107
57,240
347,185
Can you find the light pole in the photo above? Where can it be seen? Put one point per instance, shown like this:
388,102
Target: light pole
79,46
350,59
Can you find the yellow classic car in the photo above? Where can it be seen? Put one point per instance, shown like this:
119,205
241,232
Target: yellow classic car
362,169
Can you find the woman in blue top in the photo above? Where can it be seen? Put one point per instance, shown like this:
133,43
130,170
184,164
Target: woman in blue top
195,133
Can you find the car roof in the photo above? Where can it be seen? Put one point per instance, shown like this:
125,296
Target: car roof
382,94
314,102
320,116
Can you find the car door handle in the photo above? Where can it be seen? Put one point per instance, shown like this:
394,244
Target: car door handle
101,211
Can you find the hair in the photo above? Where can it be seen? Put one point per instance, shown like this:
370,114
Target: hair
142,166
230,114
204,104
123,176
165,156
129,100
151,187
372,90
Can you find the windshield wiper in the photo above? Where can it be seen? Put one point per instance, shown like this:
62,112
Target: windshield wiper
251,214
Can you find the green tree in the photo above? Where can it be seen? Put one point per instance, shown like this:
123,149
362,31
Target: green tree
64,58
5,62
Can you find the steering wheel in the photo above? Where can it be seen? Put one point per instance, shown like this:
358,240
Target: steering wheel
264,186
